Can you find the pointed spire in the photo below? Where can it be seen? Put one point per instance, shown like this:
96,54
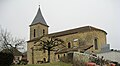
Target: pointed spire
39,18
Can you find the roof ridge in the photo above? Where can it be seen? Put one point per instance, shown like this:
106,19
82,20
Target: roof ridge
76,30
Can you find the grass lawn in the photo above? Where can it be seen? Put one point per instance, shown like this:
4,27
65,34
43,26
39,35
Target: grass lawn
49,64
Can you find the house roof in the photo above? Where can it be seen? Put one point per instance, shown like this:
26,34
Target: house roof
82,48
111,55
14,50
76,30
39,19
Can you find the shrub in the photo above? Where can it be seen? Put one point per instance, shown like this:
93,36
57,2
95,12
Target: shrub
23,62
6,59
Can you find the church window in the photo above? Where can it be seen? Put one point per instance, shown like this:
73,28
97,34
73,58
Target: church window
34,32
69,45
64,55
43,32
96,43
44,59
58,56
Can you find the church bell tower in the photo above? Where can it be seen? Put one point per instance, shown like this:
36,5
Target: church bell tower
39,26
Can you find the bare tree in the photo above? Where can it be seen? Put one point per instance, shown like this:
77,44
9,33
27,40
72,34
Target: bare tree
7,41
50,44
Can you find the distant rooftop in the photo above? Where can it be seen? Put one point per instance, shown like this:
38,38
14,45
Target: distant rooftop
14,50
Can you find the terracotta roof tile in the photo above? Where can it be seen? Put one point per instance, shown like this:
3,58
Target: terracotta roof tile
76,30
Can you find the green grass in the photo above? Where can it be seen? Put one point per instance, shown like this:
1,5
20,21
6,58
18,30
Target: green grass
49,64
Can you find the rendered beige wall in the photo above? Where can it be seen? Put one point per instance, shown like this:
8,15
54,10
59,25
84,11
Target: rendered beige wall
87,36
38,54
39,30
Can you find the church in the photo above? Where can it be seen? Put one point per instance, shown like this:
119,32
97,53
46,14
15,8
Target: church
86,36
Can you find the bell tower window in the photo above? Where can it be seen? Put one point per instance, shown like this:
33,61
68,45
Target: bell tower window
34,32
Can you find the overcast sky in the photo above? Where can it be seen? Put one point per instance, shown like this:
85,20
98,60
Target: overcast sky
17,15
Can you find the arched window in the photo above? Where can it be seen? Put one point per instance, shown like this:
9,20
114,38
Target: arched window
34,32
96,43
44,59
43,32
64,55
58,56
69,45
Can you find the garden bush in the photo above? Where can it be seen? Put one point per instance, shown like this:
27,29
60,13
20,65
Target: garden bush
6,59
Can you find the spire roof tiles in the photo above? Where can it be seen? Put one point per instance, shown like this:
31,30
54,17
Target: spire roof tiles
39,19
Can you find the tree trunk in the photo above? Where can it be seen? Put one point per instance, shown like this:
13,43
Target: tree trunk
48,55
